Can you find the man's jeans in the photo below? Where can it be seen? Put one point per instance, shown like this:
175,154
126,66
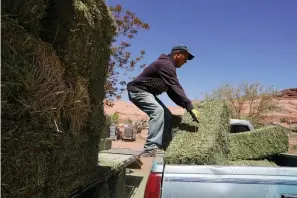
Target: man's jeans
159,134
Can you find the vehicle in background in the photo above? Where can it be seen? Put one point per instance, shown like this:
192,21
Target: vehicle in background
128,133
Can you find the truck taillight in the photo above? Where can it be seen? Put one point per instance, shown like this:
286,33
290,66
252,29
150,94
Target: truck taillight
153,186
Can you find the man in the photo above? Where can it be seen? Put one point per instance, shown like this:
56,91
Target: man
160,76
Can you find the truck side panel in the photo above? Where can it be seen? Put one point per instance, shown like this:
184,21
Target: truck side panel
226,182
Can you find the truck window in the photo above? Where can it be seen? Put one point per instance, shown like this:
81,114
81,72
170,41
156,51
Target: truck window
237,128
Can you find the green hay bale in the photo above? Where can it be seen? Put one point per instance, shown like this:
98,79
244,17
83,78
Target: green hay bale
258,144
251,163
209,145
27,13
183,149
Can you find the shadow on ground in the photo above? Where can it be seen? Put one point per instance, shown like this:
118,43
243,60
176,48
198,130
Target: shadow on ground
132,184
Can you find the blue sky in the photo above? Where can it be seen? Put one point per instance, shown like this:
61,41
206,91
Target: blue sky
233,40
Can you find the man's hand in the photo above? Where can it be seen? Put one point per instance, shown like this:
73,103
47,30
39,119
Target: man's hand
195,115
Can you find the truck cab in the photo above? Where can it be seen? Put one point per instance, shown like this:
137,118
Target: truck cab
237,126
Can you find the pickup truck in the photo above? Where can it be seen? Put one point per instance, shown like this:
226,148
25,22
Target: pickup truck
183,181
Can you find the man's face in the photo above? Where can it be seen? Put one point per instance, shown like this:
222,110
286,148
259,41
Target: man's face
182,59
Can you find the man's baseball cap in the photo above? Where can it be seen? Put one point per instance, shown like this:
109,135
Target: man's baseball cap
183,48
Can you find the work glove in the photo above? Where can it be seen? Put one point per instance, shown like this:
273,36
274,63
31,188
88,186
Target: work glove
195,115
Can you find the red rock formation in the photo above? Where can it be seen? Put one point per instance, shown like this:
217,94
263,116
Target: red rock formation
288,93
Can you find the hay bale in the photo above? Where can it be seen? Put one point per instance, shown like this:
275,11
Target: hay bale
105,144
116,184
27,13
185,122
32,94
251,163
102,191
77,106
209,145
183,149
81,32
24,167
108,143
70,163
258,144
45,149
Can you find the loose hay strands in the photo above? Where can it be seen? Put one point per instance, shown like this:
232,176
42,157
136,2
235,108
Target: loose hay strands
209,145
258,144
77,104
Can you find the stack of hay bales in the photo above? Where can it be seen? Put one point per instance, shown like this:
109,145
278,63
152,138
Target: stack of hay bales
105,141
210,142
52,92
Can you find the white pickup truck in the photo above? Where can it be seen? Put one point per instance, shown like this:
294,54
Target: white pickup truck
185,181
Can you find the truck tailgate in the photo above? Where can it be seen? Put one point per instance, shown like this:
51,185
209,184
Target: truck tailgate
229,181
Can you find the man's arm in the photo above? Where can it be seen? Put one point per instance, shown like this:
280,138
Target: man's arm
175,91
